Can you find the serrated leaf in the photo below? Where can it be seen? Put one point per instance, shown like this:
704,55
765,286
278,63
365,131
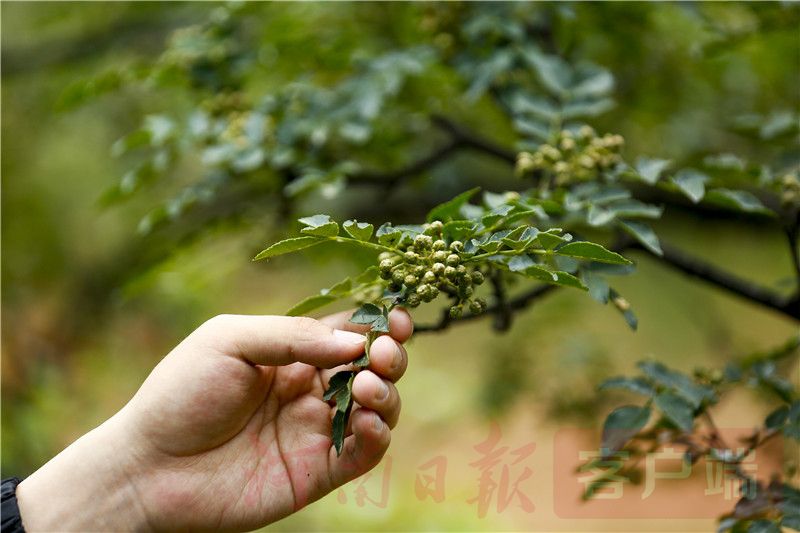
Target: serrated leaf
644,234
591,251
682,384
519,263
635,208
287,246
691,183
319,225
598,216
310,304
637,385
597,285
650,169
621,425
549,240
367,276
337,382
388,235
676,409
358,230
565,279
777,418
366,314
739,200
450,210
763,526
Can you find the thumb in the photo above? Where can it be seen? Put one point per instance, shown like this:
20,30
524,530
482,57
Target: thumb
282,340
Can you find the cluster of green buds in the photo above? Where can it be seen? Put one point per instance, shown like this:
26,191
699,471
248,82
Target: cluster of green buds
428,266
790,193
573,156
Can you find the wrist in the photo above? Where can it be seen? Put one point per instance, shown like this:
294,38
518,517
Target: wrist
87,487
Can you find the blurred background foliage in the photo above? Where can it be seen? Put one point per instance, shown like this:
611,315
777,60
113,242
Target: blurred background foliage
93,296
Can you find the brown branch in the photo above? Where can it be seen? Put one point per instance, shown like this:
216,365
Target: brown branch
674,258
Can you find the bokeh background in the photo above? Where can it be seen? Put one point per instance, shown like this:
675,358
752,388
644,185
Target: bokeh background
75,346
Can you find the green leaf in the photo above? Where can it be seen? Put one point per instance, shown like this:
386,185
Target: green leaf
310,304
565,279
340,386
366,314
359,230
682,384
337,382
644,234
450,210
372,315
554,73
287,246
777,417
591,251
637,385
650,169
319,225
621,425
763,526
738,200
388,235
597,285
691,183
367,276
549,239
676,409
791,522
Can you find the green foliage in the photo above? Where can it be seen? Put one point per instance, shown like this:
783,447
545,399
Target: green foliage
253,136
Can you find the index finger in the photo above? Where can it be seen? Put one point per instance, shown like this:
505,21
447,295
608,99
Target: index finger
400,325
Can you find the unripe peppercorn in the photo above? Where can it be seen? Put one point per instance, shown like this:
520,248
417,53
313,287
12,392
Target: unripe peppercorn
419,271
440,256
386,274
398,276
385,255
413,300
467,291
453,260
438,269
423,242
475,307
386,264
455,311
429,277
449,272
435,227
423,289
456,246
439,245
461,271
482,303
477,277
411,280
411,257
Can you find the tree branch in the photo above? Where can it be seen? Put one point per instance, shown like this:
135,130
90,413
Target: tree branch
674,258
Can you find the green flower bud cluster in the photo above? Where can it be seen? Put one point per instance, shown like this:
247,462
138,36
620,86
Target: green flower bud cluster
790,194
573,157
429,266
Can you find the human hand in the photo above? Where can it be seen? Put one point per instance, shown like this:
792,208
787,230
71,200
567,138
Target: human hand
229,431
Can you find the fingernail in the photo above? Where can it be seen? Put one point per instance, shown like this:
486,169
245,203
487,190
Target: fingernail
378,423
383,391
349,337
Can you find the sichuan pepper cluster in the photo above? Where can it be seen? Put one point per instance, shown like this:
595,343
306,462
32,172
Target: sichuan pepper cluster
582,155
429,266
